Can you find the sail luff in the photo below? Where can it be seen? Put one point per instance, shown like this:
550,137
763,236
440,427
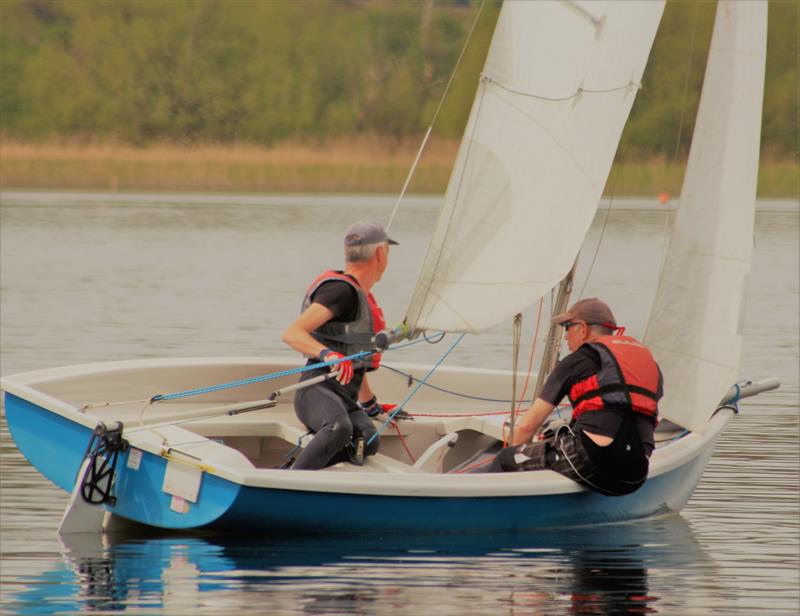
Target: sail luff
558,85
695,325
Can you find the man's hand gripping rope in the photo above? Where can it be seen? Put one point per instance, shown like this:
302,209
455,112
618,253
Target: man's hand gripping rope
338,363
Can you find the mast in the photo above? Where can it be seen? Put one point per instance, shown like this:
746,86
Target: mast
550,356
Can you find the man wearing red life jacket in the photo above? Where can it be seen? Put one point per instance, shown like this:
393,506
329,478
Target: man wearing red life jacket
339,317
613,384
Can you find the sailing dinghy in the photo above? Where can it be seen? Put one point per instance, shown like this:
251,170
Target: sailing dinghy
158,443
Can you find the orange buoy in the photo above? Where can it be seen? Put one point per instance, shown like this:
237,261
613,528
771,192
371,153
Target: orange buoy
663,198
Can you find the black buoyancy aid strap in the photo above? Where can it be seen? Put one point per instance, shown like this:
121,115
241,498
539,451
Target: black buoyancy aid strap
607,389
604,350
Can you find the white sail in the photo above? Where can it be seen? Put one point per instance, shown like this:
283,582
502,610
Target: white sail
695,325
557,88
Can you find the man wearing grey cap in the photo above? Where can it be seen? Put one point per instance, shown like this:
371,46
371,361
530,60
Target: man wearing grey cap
613,384
339,318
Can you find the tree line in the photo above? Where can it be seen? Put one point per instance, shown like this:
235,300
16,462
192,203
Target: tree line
266,71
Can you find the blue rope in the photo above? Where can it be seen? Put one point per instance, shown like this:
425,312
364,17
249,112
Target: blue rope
734,404
257,379
415,390
273,375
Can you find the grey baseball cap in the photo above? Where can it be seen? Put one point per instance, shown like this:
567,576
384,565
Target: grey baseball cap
364,233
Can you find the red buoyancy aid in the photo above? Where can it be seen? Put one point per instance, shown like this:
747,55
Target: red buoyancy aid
628,378
354,336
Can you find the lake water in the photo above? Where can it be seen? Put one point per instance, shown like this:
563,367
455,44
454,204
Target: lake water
94,277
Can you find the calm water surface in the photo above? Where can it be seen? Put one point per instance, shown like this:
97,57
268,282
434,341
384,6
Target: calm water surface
107,277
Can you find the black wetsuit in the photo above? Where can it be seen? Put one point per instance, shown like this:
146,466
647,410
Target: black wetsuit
330,409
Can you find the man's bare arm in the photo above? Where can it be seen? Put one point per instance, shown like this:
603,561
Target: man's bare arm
533,418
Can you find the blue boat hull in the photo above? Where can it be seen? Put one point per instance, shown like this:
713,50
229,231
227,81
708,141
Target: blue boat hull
293,511
55,446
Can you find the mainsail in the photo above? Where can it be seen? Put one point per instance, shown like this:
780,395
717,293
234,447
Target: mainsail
558,85
695,325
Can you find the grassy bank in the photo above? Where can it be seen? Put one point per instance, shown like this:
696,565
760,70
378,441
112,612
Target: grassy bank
354,166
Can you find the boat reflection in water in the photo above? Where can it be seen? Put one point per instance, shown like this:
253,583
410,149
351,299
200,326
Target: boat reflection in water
597,570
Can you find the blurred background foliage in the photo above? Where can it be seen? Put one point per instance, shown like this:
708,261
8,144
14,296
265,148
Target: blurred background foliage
269,71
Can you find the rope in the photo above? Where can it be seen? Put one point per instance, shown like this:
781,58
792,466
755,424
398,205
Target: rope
436,338
675,154
484,414
403,442
414,391
450,392
476,465
668,218
686,83
533,352
733,403
521,399
517,340
95,405
617,173
161,397
258,379
673,438
435,115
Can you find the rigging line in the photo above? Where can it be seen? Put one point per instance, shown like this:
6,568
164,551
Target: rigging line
676,153
258,379
93,405
686,83
517,340
533,352
450,392
415,390
449,415
435,115
150,401
668,218
437,337
617,174
403,443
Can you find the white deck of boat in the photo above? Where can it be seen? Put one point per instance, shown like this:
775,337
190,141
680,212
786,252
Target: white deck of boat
232,445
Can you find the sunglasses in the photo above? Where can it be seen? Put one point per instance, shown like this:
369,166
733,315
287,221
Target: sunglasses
567,324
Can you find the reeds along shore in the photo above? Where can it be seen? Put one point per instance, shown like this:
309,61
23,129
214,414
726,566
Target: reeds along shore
345,166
